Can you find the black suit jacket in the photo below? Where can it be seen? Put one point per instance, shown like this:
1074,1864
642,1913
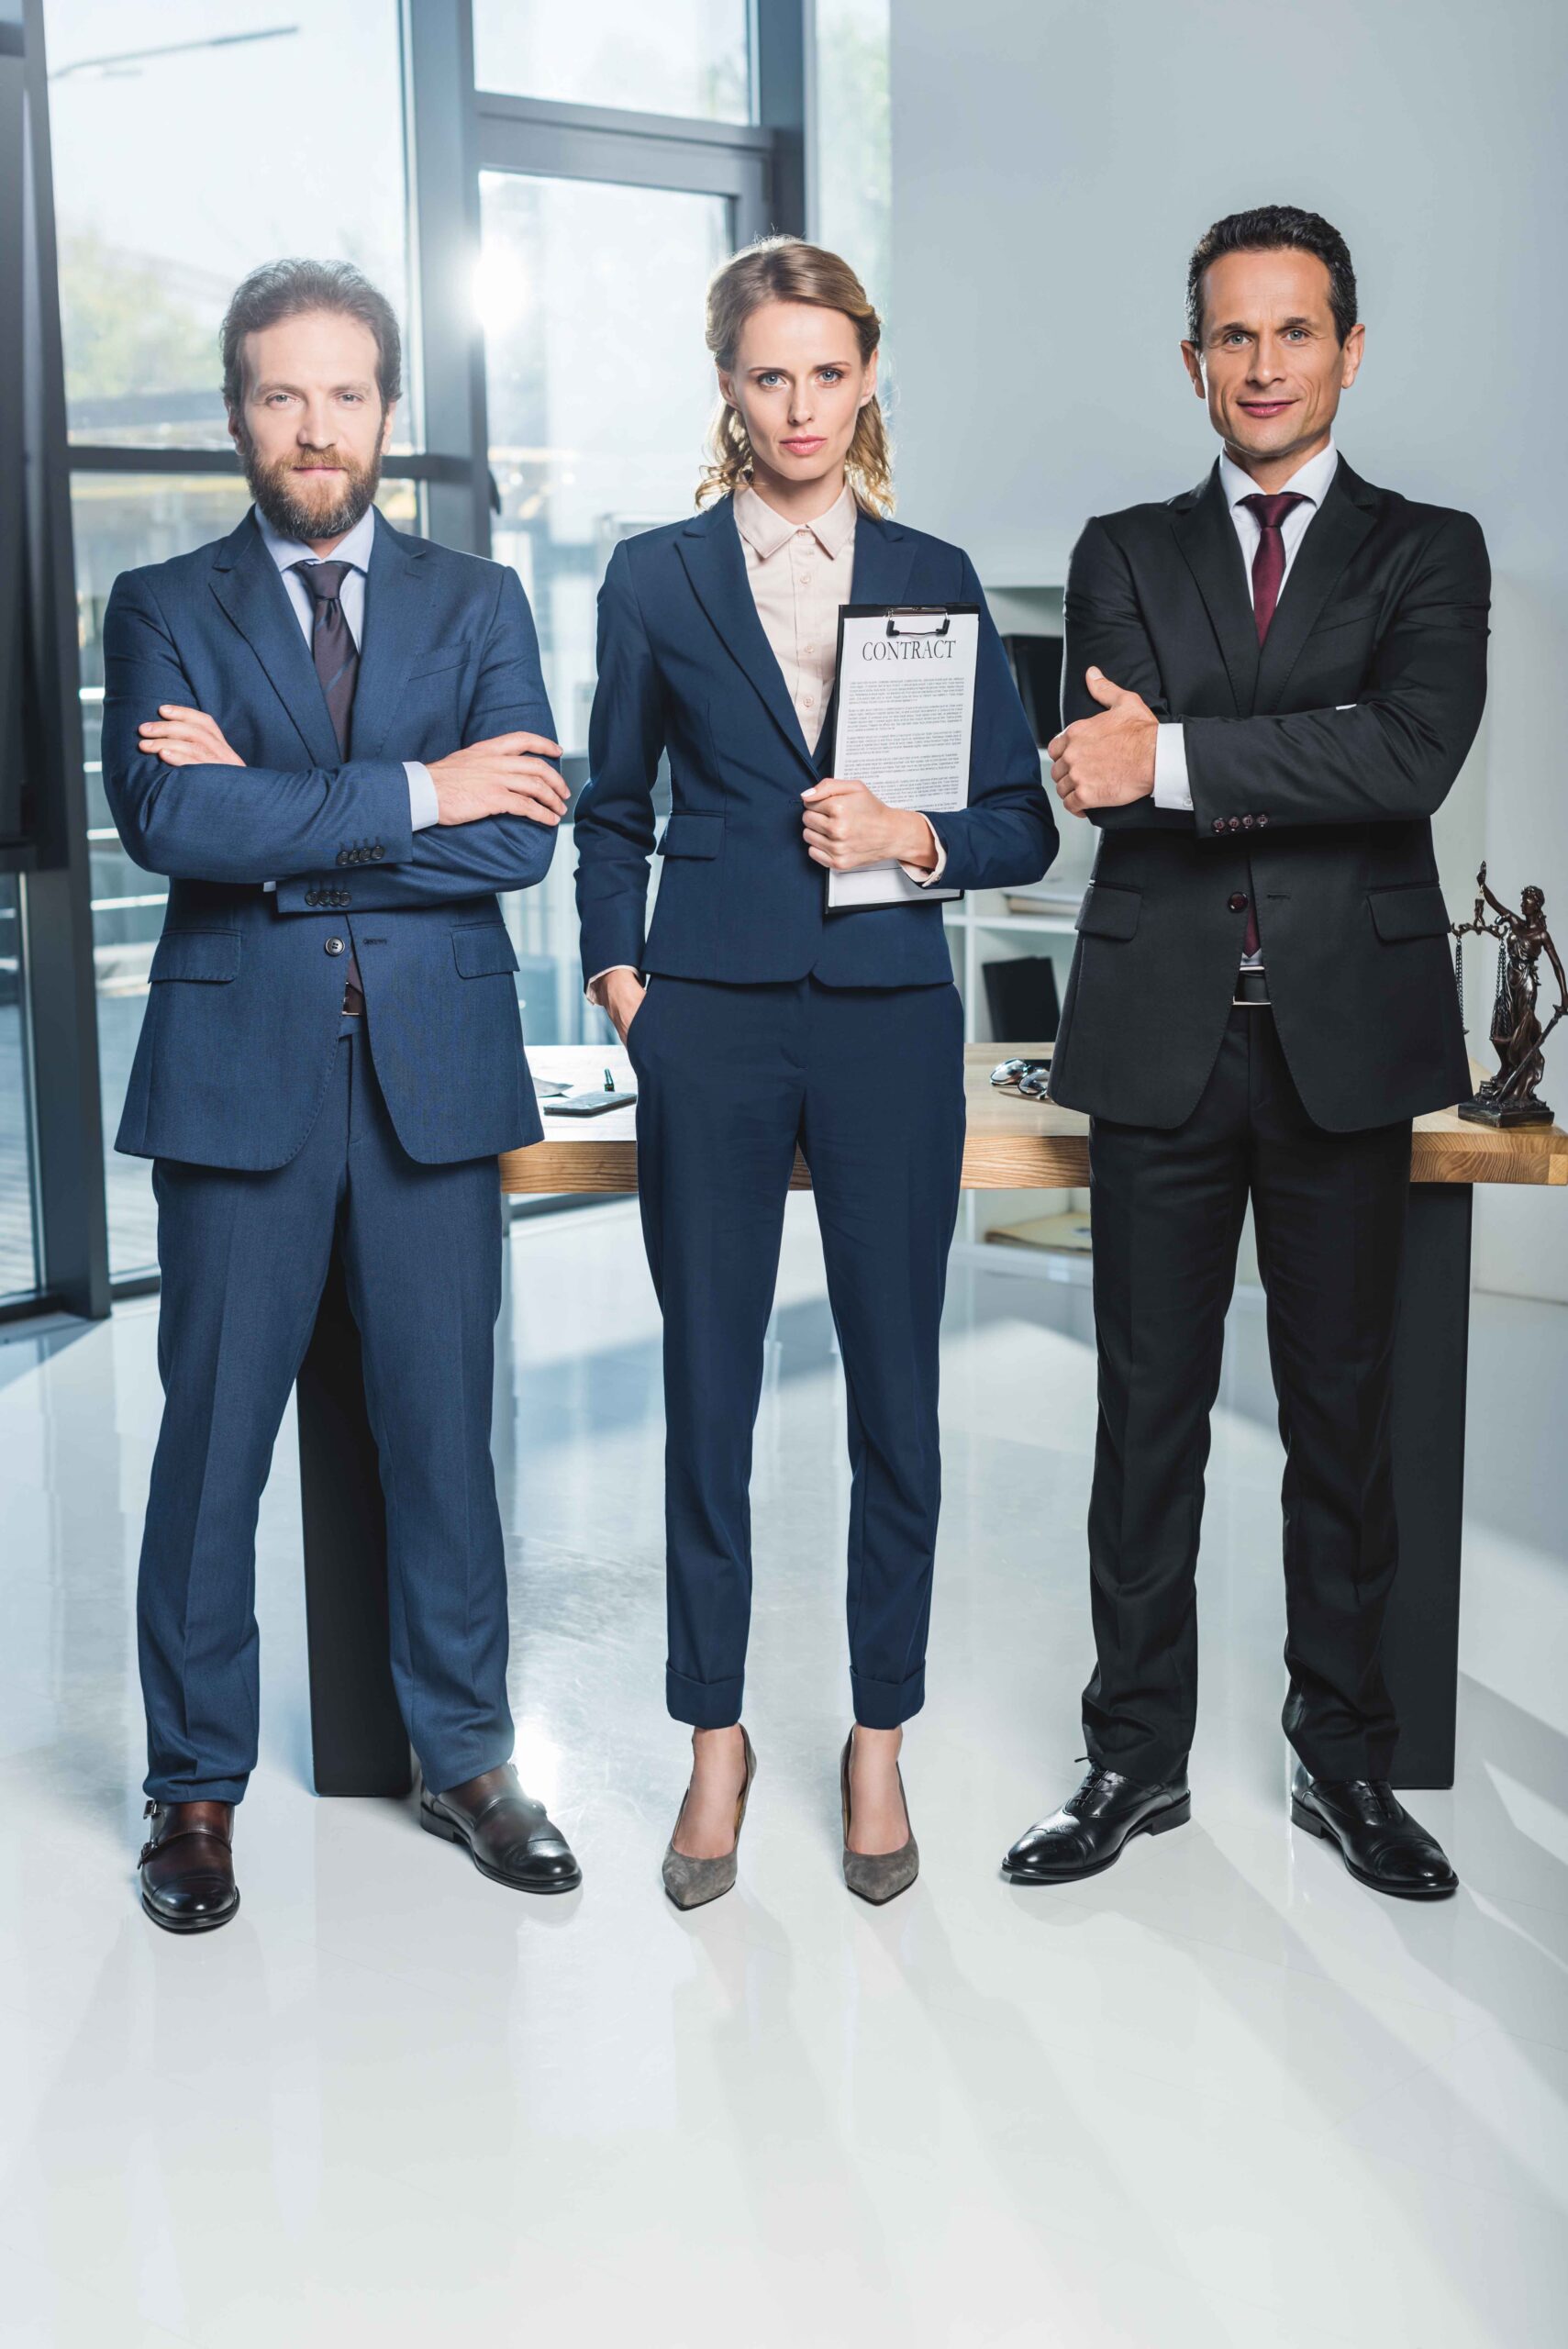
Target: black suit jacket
1314,766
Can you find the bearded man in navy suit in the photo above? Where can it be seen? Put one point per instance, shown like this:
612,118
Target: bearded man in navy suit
335,742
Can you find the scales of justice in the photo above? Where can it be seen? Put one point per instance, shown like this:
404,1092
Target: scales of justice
1517,1037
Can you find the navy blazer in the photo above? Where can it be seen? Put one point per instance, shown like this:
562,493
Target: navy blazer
686,667
240,1034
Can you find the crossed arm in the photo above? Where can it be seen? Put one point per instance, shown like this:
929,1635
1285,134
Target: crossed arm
174,788
1391,757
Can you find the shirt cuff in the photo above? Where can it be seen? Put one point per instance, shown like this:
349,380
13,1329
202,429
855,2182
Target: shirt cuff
597,1000
424,808
917,873
1171,787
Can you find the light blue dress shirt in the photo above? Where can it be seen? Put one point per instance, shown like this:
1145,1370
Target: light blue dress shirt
424,808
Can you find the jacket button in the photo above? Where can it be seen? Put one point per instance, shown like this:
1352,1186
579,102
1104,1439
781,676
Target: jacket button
334,946
1260,821
377,854
1219,823
1247,823
1235,823
1237,903
343,856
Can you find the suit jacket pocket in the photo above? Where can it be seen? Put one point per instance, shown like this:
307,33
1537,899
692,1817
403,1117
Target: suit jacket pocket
1108,911
209,956
483,950
432,664
688,833
1356,613
1418,912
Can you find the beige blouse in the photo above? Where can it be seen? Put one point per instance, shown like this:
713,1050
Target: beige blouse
799,574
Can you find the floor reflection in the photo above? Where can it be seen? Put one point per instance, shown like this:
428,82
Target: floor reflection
1218,2096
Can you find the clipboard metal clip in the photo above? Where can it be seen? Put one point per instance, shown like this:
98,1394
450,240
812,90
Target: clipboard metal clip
941,618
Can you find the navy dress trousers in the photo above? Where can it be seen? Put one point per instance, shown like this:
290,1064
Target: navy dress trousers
768,1024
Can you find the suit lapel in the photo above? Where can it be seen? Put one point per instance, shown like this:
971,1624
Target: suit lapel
395,628
245,580
715,562
1348,513
884,554
1206,537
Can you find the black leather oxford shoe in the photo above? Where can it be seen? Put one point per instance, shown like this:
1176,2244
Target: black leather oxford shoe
1088,1833
187,1867
509,1837
1381,1844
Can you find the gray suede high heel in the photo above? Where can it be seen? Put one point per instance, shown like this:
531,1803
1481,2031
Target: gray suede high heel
690,1883
877,1876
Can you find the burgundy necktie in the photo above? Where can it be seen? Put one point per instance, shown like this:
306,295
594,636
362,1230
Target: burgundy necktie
1268,577
337,661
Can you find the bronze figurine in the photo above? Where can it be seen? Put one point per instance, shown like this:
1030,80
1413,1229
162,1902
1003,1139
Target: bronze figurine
1517,1037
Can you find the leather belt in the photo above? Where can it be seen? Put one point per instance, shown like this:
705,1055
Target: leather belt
1251,991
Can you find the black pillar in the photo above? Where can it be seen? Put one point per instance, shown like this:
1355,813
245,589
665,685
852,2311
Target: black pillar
358,1742
1421,1650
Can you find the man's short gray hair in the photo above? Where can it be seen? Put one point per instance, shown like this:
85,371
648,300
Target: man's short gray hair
284,289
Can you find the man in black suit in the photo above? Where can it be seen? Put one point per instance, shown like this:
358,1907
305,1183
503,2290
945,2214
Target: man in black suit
1272,683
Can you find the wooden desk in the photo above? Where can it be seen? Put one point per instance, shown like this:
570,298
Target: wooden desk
1013,1145
357,1735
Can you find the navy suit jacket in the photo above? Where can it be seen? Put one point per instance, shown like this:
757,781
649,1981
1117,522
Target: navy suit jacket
242,1018
686,667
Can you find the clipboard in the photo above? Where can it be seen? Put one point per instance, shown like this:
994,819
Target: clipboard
903,718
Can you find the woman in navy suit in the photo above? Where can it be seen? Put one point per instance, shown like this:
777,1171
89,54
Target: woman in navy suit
757,1020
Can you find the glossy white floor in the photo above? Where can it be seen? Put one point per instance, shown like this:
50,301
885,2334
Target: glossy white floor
1218,2096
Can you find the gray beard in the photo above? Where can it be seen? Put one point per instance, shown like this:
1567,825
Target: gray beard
292,517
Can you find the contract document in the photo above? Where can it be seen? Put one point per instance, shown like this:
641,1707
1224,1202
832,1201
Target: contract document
905,702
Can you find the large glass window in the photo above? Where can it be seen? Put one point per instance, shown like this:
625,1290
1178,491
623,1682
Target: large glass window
599,385
193,138
854,147
18,1261
681,57
599,389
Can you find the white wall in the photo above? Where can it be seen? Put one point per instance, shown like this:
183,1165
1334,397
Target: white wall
1053,163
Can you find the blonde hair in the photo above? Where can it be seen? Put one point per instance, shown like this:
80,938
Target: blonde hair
786,269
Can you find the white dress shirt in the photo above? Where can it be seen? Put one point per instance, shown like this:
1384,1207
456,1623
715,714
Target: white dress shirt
1310,481
424,808
799,574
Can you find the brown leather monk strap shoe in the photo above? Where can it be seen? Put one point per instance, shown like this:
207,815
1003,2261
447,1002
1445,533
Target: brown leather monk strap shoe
187,1867
508,1835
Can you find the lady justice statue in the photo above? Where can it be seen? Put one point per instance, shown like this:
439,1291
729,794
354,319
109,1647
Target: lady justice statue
1508,1098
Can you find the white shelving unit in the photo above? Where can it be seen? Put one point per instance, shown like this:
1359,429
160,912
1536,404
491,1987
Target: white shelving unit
982,930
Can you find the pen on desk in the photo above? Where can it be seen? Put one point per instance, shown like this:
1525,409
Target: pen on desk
609,1081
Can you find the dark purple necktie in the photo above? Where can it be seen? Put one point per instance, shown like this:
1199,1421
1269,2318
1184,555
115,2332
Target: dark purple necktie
337,661
1268,578
1268,564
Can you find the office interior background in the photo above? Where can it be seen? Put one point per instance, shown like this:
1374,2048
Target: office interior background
544,190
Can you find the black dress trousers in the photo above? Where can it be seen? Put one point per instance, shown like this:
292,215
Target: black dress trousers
1328,1210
